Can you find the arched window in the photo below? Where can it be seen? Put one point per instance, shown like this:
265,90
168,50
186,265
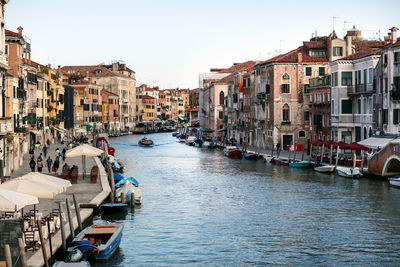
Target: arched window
221,98
365,133
370,132
286,113
285,87
302,134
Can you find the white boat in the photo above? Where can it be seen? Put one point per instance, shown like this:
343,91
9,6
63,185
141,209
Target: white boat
268,159
233,152
349,172
325,169
395,181
190,140
127,189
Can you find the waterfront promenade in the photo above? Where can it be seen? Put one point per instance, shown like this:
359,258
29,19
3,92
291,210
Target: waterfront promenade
84,190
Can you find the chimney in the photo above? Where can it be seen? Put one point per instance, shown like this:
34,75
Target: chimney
20,31
393,32
299,57
348,45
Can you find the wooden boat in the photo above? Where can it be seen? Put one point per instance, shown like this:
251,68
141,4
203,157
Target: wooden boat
250,156
209,144
232,151
300,164
121,182
113,207
101,241
395,181
190,140
268,159
145,142
325,169
128,188
281,161
71,264
349,172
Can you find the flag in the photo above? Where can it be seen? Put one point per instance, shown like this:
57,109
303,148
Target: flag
240,83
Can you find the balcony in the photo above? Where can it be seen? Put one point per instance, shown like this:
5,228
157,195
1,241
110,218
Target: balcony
5,125
125,100
285,123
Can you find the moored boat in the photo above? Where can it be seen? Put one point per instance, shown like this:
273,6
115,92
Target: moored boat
128,188
190,140
232,151
349,172
281,161
113,207
100,241
300,164
325,169
182,138
395,181
250,156
146,142
175,134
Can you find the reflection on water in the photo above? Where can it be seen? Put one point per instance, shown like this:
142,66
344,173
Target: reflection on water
201,208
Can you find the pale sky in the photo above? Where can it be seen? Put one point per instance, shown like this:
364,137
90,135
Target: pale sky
168,43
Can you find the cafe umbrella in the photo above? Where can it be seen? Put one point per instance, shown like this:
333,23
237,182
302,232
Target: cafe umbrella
11,201
84,150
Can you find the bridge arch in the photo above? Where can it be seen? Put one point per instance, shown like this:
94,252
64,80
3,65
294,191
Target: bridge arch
392,166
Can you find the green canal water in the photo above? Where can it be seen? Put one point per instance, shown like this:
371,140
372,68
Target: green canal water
203,209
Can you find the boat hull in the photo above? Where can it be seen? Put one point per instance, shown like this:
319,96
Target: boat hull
250,156
325,169
280,161
395,182
113,207
300,164
146,143
348,172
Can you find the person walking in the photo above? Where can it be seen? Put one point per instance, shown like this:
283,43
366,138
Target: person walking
56,165
39,165
45,150
57,153
63,154
49,163
40,157
32,164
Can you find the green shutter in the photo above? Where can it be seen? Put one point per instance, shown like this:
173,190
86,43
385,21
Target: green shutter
347,106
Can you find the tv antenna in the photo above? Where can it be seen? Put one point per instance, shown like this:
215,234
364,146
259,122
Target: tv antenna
344,27
333,22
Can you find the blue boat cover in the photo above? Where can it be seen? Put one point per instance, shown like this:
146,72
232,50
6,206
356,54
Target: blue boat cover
118,177
122,181
109,205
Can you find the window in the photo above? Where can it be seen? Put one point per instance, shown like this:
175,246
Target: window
370,75
221,98
396,57
333,106
365,76
370,106
337,51
321,71
365,106
318,53
286,113
358,106
347,106
347,78
396,116
267,88
235,98
220,115
285,89
385,59
6,49
308,71
385,116
334,79
306,115
302,134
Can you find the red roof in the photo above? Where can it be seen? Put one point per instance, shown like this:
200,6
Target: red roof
11,33
93,71
366,45
361,54
248,65
227,79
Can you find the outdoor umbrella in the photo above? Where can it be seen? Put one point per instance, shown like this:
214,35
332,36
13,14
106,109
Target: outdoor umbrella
84,150
14,201
356,146
48,179
31,187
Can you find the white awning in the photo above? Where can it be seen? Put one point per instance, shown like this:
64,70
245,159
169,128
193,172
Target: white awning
377,142
36,132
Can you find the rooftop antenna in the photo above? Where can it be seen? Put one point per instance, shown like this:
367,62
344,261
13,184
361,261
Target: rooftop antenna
344,27
316,35
333,22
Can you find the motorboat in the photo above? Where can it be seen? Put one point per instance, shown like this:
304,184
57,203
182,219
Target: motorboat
281,161
190,140
232,151
98,241
250,156
113,207
182,138
325,168
269,159
146,142
121,182
395,181
198,142
209,144
174,134
300,164
128,188
349,172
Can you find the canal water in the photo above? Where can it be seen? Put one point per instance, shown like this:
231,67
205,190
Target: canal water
201,208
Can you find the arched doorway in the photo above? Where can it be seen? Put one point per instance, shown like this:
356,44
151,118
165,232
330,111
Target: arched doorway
365,133
370,132
392,166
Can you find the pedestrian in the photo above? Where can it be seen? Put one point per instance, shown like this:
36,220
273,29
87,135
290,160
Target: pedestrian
40,157
49,162
48,142
63,154
32,164
45,151
39,165
56,165
65,167
32,151
57,152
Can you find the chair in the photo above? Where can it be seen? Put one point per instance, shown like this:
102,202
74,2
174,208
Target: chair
93,174
65,174
74,175
30,242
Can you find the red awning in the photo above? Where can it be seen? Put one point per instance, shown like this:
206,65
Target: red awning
356,146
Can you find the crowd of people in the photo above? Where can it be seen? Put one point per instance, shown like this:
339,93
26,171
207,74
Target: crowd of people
43,160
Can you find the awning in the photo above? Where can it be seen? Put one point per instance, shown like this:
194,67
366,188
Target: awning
36,132
183,118
377,142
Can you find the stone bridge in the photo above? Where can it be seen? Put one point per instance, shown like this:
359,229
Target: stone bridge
386,162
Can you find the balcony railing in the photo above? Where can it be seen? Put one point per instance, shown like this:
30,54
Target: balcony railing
5,125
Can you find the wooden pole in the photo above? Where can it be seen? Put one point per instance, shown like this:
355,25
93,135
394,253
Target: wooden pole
354,160
71,226
337,156
295,152
302,155
50,243
123,197
279,151
272,153
42,244
111,172
63,238
78,213
112,197
311,146
322,153
362,162
133,199
22,252
7,253
330,156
